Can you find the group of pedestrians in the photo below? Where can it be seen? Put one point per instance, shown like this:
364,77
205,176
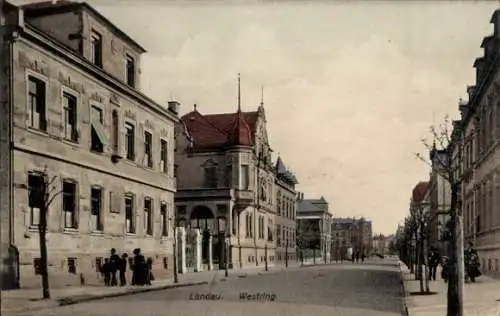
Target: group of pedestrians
471,263
356,256
141,269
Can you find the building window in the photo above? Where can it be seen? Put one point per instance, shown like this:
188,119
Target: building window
278,235
176,171
72,265
70,117
98,134
116,131
69,205
148,149
129,214
96,48
210,176
229,175
130,71
130,141
96,208
164,219
163,156
245,177
148,216
36,187
36,104
269,229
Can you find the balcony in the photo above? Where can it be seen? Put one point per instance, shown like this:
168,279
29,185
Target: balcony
243,198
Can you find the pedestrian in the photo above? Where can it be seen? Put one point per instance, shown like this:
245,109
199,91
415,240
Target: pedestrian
106,271
357,257
123,269
114,261
139,268
363,257
434,259
149,271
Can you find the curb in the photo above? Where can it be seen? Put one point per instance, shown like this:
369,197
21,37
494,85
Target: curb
89,298
404,306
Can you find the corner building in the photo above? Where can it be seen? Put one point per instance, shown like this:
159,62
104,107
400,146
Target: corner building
77,113
226,186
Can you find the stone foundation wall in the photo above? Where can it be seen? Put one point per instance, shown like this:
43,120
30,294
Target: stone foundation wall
59,275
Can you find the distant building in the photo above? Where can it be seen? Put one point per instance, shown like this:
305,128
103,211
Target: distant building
75,111
353,233
343,230
382,243
439,198
286,208
314,228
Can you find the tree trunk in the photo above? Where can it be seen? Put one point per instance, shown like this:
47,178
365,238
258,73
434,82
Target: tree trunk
420,262
426,264
42,229
453,304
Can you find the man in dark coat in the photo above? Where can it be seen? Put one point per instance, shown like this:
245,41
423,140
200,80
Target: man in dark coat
123,269
139,268
115,262
434,260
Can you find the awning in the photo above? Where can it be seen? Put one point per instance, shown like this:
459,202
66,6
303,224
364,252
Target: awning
99,130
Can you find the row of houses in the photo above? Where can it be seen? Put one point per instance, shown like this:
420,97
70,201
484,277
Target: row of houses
475,161
127,171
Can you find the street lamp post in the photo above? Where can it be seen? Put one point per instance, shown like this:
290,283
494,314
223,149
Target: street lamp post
176,276
226,252
286,254
265,253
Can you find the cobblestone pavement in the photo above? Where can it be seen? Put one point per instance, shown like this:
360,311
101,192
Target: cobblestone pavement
341,289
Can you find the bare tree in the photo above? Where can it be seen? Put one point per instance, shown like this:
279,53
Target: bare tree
447,138
42,192
420,220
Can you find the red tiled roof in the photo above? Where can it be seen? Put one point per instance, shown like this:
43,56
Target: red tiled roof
220,130
419,191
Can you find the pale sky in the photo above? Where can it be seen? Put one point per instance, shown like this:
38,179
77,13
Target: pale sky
350,88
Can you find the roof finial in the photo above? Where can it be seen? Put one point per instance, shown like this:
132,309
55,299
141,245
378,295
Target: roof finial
194,106
239,93
262,96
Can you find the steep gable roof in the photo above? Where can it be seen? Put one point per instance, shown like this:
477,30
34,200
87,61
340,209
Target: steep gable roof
220,130
419,191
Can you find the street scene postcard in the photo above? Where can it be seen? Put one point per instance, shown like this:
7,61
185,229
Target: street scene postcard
249,157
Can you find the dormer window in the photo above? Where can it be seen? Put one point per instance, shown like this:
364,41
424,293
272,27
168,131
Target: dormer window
130,71
96,48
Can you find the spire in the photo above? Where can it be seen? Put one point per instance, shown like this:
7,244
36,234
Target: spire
194,107
239,93
240,134
262,96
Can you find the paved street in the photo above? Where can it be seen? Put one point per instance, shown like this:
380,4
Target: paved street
347,289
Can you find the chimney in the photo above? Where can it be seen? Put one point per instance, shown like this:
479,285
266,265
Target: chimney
463,106
174,107
470,91
479,64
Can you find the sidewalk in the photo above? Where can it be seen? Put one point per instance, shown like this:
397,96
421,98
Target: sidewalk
480,299
23,300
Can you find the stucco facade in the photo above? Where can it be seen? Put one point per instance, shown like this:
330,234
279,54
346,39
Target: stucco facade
226,185
477,137
286,209
70,119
